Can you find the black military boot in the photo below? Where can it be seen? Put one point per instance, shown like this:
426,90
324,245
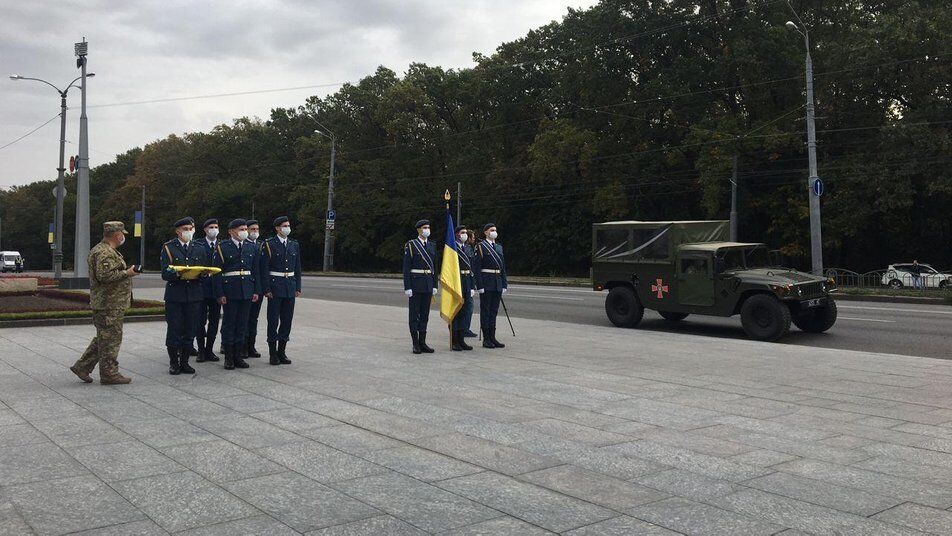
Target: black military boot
200,343
252,351
229,359
454,343
487,338
273,353
210,351
415,337
236,356
469,333
282,355
183,362
174,367
496,341
190,351
461,339
423,347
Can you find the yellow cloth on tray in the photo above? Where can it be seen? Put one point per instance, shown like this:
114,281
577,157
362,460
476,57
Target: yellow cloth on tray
194,272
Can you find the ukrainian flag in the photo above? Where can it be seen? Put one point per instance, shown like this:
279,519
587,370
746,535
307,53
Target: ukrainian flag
137,230
49,236
451,300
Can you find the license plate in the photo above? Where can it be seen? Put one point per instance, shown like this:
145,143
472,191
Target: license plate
816,302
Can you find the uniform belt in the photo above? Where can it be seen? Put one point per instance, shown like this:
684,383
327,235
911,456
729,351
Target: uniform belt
421,271
282,274
464,272
237,273
491,271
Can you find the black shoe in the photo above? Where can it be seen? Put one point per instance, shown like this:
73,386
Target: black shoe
236,357
282,355
456,337
200,358
273,357
229,359
487,340
461,340
415,336
423,347
183,362
174,367
495,341
191,351
469,334
252,351
210,351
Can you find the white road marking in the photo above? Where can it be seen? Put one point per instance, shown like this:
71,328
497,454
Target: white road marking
894,309
537,297
866,319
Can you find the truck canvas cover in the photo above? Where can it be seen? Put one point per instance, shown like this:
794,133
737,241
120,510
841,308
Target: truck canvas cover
651,241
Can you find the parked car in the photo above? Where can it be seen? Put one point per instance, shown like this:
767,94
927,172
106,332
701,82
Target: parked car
900,275
11,261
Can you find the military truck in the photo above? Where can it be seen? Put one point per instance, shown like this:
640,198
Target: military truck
679,268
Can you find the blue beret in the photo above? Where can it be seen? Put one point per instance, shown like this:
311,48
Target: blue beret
184,221
279,220
210,221
236,223
488,226
249,223
421,223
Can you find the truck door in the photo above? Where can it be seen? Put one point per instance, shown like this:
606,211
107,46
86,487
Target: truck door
695,280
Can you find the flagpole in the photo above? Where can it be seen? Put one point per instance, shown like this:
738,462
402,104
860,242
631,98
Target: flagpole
449,325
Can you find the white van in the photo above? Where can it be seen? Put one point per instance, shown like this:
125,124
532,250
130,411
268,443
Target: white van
11,261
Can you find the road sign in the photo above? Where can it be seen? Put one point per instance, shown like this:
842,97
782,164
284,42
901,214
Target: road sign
331,215
64,191
818,187
72,164
330,225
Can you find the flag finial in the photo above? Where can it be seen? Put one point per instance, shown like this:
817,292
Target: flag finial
446,197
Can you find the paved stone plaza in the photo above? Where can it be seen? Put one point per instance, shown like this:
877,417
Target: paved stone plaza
571,429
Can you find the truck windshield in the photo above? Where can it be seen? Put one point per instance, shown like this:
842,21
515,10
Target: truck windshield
757,257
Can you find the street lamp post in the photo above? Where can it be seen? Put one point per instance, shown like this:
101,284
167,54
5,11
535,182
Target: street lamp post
81,249
816,239
328,232
60,180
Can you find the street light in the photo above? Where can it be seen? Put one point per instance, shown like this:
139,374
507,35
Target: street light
813,189
328,233
60,185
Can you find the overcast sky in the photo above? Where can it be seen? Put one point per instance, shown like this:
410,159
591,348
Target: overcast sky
153,49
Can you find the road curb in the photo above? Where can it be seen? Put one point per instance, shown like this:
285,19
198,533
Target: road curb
891,299
73,321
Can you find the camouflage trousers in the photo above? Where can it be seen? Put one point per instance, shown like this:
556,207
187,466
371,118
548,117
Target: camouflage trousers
104,348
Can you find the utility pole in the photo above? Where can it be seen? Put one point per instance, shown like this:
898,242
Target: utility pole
459,201
328,232
60,193
142,231
734,199
81,270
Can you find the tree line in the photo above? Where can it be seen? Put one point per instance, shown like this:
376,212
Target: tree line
627,110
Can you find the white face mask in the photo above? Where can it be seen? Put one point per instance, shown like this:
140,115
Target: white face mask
242,236
122,239
425,233
187,236
463,237
212,233
285,230
253,235
493,235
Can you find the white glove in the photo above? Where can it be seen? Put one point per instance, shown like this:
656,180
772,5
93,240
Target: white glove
482,290
434,292
505,290
472,293
409,293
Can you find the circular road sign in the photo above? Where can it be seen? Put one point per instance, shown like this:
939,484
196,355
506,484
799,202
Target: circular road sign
818,187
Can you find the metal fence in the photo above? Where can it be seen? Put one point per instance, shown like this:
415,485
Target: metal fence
891,280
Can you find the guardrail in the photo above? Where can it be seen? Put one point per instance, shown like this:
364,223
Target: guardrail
891,280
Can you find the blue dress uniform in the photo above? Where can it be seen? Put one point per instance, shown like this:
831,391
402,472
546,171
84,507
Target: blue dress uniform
467,285
209,313
281,280
491,282
183,298
249,349
419,277
238,283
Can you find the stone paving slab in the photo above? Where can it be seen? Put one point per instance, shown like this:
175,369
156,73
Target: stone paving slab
580,430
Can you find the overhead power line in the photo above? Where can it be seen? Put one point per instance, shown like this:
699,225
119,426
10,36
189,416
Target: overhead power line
47,122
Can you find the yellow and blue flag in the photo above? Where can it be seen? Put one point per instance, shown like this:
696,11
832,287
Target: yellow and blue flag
451,300
49,236
137,230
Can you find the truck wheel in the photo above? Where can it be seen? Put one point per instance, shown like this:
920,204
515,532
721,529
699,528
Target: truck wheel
623,307
895,284
817,320
764,317
672,317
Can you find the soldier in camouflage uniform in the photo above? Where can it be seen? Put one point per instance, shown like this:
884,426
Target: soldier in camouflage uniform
110,294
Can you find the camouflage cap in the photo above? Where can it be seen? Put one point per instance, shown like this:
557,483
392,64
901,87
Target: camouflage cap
111,227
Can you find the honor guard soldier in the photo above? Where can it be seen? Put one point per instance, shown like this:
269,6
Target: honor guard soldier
183,297
249,350
491,282
419,283
281,283
468,288
236,288
209,312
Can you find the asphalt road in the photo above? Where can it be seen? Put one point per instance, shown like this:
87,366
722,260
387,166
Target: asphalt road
916,330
